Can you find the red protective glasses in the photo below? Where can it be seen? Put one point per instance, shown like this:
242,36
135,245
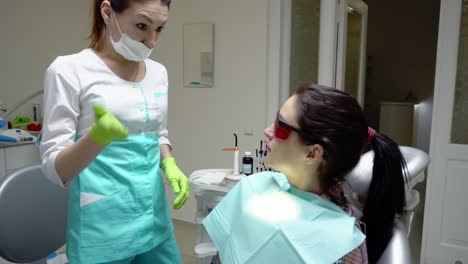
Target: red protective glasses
283,129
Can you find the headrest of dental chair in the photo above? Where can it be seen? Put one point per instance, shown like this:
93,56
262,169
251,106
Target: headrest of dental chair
360,177
33,216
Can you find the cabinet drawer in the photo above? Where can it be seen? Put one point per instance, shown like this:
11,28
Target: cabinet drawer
21,156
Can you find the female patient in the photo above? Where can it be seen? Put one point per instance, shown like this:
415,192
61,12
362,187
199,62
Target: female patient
318,137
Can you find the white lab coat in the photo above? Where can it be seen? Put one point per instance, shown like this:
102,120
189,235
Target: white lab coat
74,83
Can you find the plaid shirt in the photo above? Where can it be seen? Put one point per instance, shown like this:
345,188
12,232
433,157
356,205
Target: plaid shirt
336,196
358,255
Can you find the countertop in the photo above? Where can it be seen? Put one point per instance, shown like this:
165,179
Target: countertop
5,144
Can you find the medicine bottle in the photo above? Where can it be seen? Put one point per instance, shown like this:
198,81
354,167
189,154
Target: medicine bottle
247,163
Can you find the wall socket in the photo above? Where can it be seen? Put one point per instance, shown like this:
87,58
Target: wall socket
248,131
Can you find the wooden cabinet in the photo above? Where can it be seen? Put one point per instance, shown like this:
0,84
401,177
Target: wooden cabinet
397,122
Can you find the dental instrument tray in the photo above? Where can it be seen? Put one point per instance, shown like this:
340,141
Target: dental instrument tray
16,135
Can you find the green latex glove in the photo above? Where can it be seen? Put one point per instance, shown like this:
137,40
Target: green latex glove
106,127
180,184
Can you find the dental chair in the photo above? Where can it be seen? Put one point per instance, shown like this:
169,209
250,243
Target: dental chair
359,179
33,216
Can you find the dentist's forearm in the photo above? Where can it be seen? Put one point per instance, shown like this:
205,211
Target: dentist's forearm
165,151
75,158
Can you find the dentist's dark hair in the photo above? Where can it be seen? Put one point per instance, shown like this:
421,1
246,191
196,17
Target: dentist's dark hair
97,32
334,120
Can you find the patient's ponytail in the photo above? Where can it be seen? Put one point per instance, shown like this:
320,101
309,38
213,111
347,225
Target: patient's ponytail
335,120
386,196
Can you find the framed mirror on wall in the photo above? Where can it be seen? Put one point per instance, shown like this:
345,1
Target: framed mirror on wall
198,47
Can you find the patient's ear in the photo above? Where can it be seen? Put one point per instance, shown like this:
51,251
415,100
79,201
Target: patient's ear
315,154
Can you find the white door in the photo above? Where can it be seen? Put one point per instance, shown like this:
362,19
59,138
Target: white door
351,47
307,43
302,47
445,233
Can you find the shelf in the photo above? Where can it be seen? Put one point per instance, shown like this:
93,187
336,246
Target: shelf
199,216
207,196
224,187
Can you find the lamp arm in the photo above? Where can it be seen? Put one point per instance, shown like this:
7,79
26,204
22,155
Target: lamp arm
21,103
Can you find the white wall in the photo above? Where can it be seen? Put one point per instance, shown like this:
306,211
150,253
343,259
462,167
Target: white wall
33,33
202,120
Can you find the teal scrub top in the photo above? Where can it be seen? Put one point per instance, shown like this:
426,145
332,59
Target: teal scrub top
131,215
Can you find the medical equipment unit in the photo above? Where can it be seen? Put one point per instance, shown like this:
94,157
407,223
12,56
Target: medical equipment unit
211,185
16,135
208,196
253,165
235,150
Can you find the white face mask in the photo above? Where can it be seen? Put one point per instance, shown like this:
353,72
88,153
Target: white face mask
129,48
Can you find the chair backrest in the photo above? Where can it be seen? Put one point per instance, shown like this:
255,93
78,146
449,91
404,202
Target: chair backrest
398,249
359,179
33,216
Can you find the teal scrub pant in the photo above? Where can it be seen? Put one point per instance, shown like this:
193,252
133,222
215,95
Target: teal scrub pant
165,253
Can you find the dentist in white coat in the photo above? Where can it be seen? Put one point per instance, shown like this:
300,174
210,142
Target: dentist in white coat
105,137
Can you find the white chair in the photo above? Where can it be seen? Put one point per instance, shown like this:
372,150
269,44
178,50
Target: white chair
398,250
33,216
